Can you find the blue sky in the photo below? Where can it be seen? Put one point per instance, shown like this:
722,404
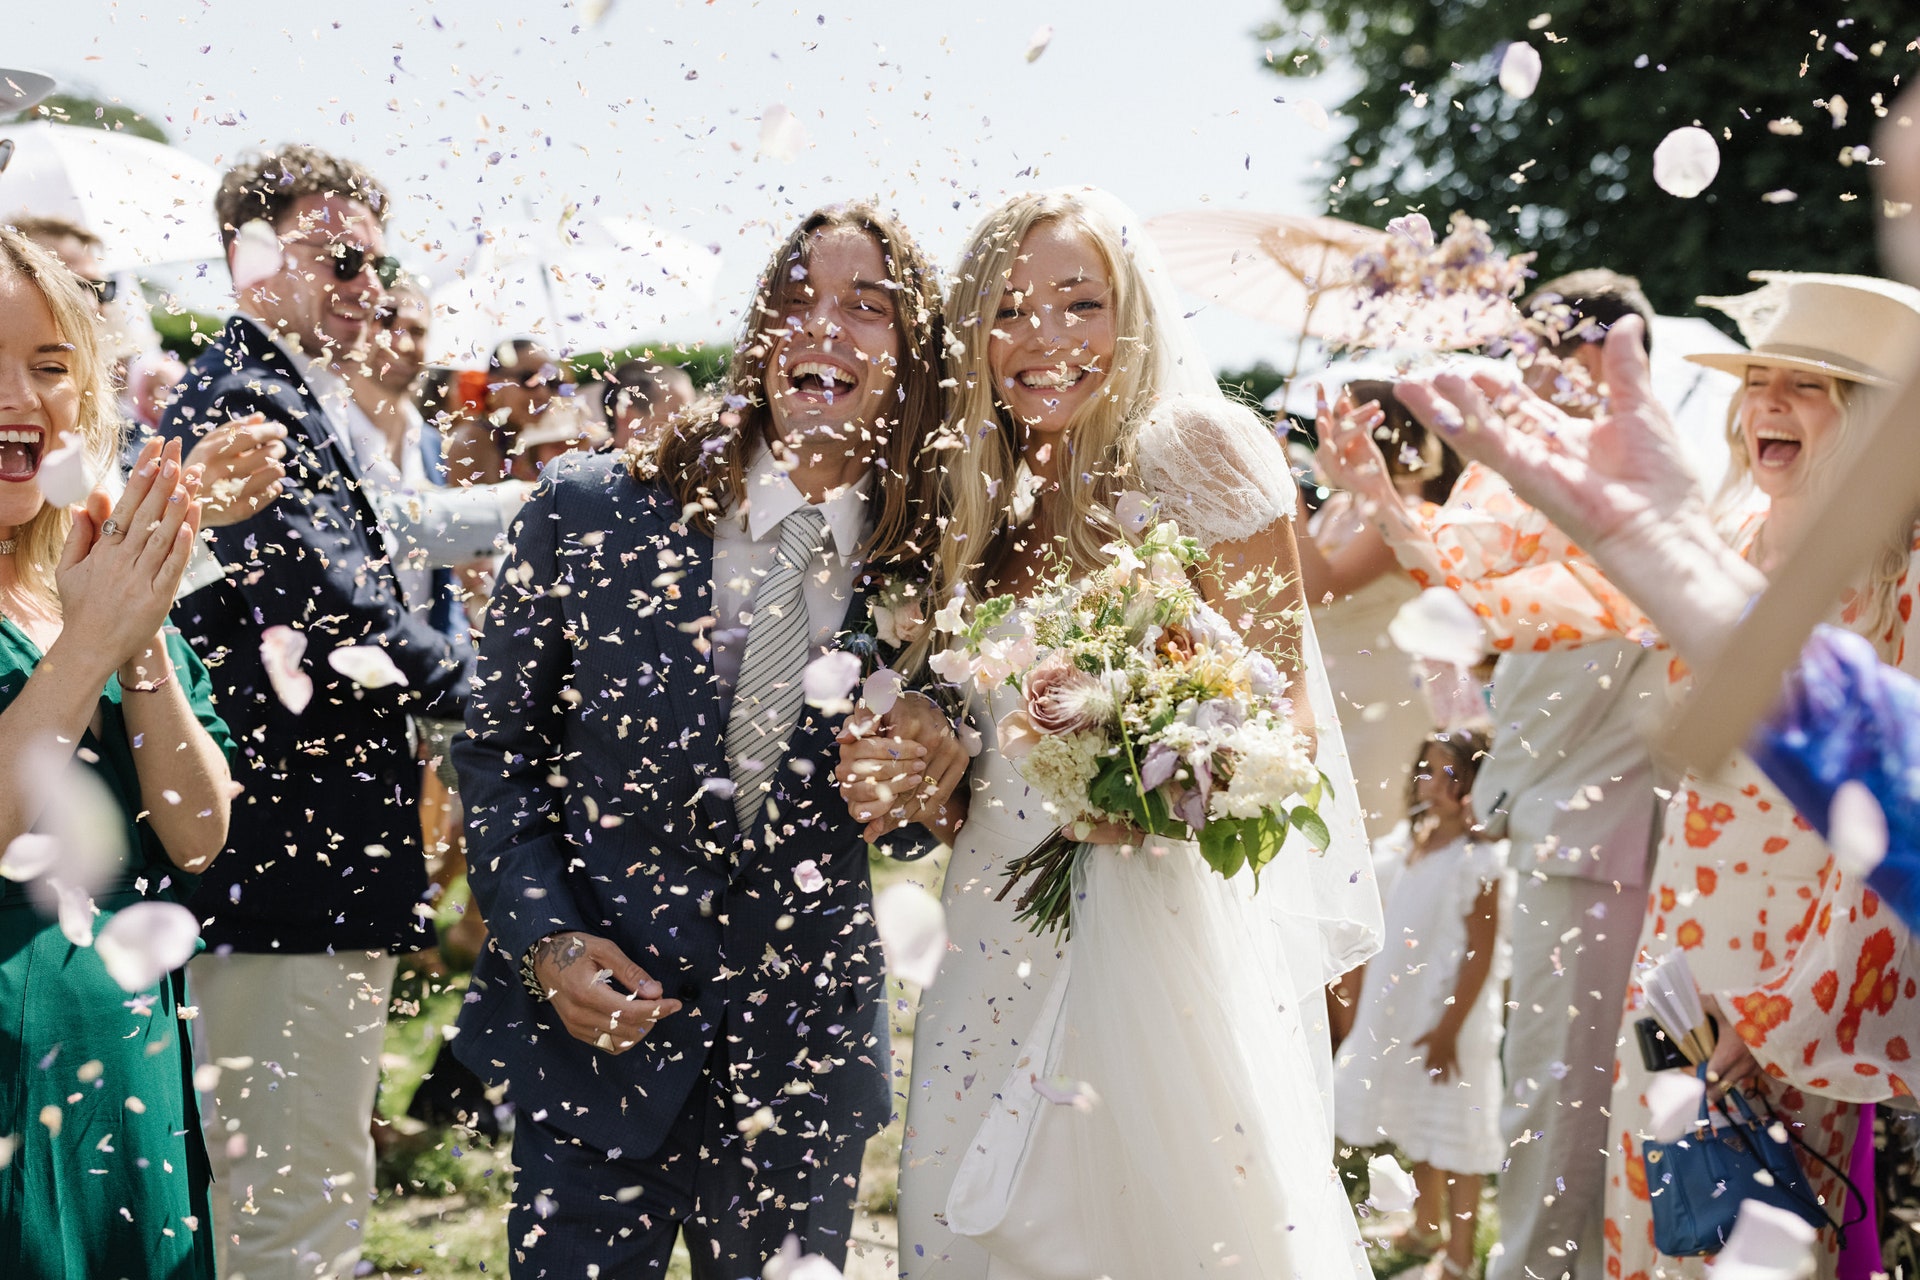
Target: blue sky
485,111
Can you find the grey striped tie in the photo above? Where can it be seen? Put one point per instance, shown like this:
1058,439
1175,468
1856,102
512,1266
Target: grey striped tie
768,693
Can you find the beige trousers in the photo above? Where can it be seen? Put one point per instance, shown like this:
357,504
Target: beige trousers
296,1040
1573,943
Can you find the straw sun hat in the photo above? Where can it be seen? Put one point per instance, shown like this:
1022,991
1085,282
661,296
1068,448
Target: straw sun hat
1857,328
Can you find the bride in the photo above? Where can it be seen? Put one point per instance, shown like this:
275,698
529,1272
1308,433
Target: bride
1153,1097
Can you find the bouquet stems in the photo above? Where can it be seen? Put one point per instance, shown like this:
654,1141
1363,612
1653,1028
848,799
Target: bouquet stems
1046,904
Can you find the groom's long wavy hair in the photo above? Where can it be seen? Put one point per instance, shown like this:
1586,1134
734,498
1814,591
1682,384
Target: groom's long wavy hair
977,498
704,461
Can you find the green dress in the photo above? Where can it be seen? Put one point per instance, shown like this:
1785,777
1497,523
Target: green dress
119,1187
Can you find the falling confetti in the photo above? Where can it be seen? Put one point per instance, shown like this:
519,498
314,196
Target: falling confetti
281,649
829,678
366,665
1767,1243
781,135
256,255
1077,1094
913,932
1440,626
144,942
29,856
1673,1104
1685,162
1520,69
807,877
881,690
1856,828
64,477
1038,42
1392,1187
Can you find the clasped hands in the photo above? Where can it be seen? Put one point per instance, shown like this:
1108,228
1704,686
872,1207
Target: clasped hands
902,766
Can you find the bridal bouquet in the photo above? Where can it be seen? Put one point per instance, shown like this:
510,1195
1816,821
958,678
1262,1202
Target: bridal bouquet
1140,705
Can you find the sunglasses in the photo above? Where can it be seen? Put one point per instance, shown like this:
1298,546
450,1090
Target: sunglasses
349,260
104,291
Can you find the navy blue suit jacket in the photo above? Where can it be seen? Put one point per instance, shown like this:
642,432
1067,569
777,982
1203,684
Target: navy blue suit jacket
594,728
324,849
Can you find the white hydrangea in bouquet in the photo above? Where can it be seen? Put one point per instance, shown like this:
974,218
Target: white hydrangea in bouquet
1139,705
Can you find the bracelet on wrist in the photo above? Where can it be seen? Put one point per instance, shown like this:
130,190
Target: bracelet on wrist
147,686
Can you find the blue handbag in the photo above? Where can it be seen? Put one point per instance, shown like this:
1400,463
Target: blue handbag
1697,1182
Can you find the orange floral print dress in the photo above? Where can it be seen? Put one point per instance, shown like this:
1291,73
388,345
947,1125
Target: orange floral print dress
1817,976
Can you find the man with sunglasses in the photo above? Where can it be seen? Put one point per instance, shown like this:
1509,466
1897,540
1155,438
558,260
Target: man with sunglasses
324,876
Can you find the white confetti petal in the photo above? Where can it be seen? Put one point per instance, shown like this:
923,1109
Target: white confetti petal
1685,162
281,649
1856,829
74,905
1134,511
64,478
1673,1101
257,255
1037,43
1766,1243
1077,1094
1312,112
881,690
807,877
828,680
1520,69
1437,624
913,932
1392,1187
143,943
28,856
366,665
781,135
793,1264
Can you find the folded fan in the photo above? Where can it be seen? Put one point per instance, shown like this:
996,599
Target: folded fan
1675,1001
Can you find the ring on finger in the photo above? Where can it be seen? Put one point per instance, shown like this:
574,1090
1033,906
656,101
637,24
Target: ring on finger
110,528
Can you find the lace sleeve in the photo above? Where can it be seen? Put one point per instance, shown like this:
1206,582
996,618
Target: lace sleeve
1221,475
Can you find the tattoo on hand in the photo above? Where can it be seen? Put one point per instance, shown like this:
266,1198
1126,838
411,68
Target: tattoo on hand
562,950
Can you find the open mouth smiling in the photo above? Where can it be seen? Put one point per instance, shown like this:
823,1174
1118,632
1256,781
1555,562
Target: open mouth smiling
21,448
821,381
1776,448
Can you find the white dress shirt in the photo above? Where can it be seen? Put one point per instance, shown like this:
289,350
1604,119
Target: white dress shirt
744,542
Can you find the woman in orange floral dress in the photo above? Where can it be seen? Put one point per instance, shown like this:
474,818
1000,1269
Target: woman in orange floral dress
1791,952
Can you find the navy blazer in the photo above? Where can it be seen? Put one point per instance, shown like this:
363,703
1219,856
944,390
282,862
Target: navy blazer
324,849
594,729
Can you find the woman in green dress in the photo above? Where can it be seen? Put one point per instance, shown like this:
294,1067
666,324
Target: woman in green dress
102,1169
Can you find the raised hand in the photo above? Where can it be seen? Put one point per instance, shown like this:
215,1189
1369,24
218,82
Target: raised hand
1595,479
123,562
603,998
1618,485
240,469
1348,457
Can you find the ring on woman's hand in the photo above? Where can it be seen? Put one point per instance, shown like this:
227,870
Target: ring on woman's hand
109,527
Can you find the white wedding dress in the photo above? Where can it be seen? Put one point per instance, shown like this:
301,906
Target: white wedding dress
1180,1035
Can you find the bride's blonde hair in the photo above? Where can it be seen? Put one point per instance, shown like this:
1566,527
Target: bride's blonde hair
980,443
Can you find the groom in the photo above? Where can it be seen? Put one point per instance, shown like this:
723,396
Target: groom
683,992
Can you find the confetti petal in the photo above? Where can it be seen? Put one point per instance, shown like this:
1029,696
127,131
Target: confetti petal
1685,162
1312,112
1766,1243
1392,1187
913,932
781,135
1037,43
281,649
74,907
1437,624
807,877
1520,69
64,477
143,943
1134,511
257,255
828,680
1673,1104
881,690
1077,1094
791,1263
1856,828
366,665
29,856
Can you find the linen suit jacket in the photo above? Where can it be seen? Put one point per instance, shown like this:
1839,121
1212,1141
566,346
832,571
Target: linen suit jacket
324,850
595,779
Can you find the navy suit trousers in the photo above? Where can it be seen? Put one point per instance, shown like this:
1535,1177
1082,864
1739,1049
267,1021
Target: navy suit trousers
576,1207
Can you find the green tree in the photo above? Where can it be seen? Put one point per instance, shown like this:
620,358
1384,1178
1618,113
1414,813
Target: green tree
97,113
1787,88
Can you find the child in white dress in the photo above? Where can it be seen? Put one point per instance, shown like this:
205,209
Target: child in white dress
1421,1067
